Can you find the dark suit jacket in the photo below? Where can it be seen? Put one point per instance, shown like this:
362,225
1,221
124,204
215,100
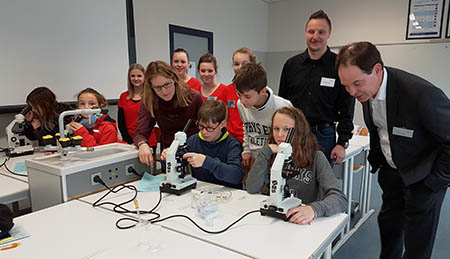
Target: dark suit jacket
412,103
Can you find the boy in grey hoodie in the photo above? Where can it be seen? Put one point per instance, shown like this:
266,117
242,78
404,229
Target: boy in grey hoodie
256,105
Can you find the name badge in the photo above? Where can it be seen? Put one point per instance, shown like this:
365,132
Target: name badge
403,132
96,130
328,82
231,104
212,98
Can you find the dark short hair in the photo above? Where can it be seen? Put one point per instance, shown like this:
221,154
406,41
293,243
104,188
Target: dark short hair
362,54
251,76
320,15
212,110
181,50
208,58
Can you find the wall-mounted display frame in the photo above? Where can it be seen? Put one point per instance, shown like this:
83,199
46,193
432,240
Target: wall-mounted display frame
425,18
447,35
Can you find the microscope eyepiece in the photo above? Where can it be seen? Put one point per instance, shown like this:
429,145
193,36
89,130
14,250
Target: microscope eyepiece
26,110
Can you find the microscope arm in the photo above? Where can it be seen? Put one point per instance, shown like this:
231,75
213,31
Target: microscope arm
277,181
78,111
171,161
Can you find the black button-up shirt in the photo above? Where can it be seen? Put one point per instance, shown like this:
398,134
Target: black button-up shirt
301,83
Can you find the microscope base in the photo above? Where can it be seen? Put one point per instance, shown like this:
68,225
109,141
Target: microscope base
280,211
272,212
179,187
20,151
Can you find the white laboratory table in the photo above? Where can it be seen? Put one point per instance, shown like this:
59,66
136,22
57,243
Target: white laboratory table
16,188
255,236
76,230
357,145
12,190
11,164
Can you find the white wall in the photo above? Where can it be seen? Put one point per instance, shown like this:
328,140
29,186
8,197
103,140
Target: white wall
62,44
382,22
234,23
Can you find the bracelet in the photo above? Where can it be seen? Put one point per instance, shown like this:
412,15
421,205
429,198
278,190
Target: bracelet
142,142
315,212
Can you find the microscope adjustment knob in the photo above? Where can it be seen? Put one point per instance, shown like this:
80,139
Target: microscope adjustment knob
49,140
65,142
76,140
57,136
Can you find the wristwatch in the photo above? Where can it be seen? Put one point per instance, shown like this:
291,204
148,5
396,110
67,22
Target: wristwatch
345,144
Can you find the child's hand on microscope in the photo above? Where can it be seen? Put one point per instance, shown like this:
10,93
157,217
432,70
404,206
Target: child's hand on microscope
195,159
74,126
163,154
301,215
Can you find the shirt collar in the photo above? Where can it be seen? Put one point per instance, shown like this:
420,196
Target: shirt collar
325,58
221,138
381,95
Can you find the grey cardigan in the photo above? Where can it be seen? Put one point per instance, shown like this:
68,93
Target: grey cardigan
316,186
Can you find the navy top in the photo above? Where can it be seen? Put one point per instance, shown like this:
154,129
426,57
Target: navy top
223,163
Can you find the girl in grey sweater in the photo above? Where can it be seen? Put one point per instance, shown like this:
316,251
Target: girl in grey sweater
315,184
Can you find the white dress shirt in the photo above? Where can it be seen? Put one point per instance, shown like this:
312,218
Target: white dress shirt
378,105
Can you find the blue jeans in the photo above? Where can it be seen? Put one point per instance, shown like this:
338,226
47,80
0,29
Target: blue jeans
327,141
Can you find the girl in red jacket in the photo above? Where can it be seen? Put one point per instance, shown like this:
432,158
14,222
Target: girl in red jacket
241,57
210,89
180,62
128,106
95,130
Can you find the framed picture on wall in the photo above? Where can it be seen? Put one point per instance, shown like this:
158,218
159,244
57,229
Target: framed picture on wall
447,35
425,18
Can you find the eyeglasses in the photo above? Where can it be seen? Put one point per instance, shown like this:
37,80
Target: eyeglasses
160,87
207,128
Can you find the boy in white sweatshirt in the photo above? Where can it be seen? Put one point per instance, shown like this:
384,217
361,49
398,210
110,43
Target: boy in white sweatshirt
256,105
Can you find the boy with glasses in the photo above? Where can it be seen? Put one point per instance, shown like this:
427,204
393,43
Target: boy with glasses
214,155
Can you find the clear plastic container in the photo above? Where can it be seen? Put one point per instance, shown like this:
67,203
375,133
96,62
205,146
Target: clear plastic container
206,201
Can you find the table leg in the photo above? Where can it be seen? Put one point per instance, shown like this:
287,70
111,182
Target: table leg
327,253
349,168
15,206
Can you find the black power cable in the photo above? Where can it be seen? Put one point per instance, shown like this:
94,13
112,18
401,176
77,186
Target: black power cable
10,171
119,207
156,219
202,229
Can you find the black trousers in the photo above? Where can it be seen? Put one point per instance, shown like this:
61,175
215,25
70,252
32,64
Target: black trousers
408,218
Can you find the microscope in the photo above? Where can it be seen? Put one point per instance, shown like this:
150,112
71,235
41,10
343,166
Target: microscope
178,170
281,197
18,143
69,143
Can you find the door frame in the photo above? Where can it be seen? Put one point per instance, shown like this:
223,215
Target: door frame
189,31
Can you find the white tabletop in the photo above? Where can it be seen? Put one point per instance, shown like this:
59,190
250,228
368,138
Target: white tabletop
352,151
11,164
76,230
12,190
363,141
256,235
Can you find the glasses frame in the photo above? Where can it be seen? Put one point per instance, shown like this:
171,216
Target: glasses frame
208,129
165,86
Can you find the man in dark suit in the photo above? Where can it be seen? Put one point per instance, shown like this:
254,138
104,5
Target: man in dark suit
409,123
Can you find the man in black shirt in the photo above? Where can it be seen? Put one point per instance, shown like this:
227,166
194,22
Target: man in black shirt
310,81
